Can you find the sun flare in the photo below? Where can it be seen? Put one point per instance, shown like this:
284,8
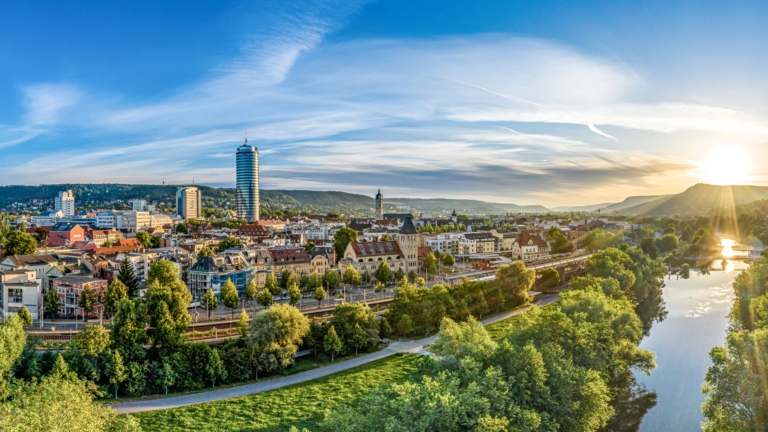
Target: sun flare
725,167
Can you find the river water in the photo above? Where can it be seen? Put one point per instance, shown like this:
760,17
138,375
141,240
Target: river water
696,322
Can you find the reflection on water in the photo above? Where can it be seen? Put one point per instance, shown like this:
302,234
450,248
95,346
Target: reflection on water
693,320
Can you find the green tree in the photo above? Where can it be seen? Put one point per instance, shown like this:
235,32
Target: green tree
214,367
127,276
287,277
209,302
143,238
448,260
242,323
385,330
597,239
272,286
558,242
205,252
550,278
264,298
380,287
383,273
25,316
308,247
251,291
128,332
38,406
332,343
356,326
351,276
514,281
319,294
116,292
164,271
167,374
229,296
462,340
115,369
332,279
227,243
181,229
668,243
12,341
52,302
648,246
294,294
86,301
277,333
341,239
20,243
411,275
314,282
737,398
430,264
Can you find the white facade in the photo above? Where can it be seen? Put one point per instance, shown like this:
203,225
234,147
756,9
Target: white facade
139,205
106,220
160,219
189,202
48,218
444,243
65,202
135,221
19,288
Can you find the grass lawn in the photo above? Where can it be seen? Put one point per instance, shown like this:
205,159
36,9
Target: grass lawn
301,405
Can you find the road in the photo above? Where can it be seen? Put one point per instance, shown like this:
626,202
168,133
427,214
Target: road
417,346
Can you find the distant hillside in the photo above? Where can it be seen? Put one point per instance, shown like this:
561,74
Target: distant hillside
583,208
435,205
700,199
632,201
104,196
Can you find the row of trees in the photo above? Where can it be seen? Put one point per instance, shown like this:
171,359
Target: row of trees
556,369
417,309
735,385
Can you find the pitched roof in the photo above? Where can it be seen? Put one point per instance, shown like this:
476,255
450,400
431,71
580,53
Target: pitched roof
27,260
367,249
526,238
423,252
408,227
288,254
64,227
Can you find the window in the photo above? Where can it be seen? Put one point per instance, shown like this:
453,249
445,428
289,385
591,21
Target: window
14,295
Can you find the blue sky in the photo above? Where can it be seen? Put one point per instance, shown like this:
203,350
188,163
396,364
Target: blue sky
531,102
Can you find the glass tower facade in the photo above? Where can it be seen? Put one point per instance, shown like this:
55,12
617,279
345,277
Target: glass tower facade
247,187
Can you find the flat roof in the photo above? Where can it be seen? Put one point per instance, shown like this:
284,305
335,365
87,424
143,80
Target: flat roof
78,279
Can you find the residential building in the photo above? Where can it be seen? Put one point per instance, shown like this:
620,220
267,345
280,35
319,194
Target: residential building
159,220
261,261
479,242
252,230
444,243
65,202
247,185
99,237
529,246
40,264
211,272
326,250
139,205
20,288
189,202
294,259
70,288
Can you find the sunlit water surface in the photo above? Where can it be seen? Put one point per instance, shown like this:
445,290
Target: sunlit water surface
696,322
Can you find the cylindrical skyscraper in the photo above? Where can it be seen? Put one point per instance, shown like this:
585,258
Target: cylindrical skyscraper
247,182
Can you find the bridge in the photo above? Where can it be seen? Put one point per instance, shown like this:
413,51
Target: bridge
566,266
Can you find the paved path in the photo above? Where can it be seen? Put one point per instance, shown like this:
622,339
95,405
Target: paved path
276,383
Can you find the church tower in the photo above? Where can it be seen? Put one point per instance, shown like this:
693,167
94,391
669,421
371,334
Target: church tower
379,206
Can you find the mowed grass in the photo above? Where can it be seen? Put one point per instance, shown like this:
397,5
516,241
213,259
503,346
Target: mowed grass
302,405
499,329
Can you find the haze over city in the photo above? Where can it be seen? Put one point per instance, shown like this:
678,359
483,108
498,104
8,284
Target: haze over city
552,103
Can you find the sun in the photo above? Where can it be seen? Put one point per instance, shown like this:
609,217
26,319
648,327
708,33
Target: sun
725,166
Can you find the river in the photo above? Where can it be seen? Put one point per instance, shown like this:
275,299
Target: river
696,321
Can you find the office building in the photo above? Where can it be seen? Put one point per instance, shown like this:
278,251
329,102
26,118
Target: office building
247,190
65,202
189,202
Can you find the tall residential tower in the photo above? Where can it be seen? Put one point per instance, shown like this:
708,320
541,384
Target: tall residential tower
189,202
65,202
247,188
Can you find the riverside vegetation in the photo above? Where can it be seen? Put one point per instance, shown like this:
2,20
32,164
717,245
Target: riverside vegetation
564,367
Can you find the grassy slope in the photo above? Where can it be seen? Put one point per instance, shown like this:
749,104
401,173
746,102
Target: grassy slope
302,405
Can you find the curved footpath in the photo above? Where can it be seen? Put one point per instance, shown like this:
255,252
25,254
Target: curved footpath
276,383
